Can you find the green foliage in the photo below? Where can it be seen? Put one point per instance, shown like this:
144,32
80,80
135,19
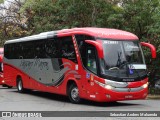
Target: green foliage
1,1
139,16
58,14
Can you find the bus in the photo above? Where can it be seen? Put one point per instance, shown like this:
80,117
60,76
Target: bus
1,66
2,82
98,64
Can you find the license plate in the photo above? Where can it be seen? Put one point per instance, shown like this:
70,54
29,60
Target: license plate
128,96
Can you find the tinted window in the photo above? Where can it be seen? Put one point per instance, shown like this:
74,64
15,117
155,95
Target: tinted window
29,50
67,49
61,47
20,50
39,49
6,51
91,60
82,46
51,48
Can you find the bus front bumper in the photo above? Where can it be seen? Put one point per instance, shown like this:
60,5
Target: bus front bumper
120,96
111,96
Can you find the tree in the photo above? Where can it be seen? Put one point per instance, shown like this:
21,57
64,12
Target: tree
138,19
1,1
58,14
11,20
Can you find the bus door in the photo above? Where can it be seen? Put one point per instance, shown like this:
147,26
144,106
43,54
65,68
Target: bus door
91,66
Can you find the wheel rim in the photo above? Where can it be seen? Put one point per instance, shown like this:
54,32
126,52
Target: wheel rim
20,85
75,94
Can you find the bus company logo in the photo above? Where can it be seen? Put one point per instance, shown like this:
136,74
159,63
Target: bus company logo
26,64
110,42
129,89
6,114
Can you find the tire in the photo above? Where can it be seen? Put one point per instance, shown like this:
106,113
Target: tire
20,85
73,94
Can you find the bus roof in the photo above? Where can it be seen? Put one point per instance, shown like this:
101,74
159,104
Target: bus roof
107,33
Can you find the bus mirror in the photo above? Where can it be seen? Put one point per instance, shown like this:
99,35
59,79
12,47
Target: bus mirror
98,47
152,48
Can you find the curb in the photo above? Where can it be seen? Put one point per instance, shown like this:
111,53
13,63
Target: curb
153,97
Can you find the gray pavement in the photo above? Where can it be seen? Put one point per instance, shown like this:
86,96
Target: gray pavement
11,100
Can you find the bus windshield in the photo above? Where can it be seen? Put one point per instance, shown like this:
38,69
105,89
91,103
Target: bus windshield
122,59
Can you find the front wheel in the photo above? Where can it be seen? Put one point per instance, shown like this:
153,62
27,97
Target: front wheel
73,94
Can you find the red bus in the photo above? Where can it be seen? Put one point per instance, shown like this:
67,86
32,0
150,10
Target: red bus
1,66
2,81
97,64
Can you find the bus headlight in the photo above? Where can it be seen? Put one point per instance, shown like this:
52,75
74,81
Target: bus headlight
145,85
109,87
3,81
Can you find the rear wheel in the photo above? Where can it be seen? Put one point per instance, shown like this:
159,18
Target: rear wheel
20,85
73,94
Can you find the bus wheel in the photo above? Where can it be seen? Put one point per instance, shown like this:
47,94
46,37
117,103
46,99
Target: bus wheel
20,85
73,94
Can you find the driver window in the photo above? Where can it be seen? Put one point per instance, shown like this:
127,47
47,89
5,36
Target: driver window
91,60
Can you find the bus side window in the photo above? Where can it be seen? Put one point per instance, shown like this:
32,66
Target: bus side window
82,46
28,50
51,48
6,51
39,49
91,60
67,49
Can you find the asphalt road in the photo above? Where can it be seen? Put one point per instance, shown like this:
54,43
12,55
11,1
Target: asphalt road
11,100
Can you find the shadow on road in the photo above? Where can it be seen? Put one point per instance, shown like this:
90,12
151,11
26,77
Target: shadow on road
65,99
107,104
6,88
